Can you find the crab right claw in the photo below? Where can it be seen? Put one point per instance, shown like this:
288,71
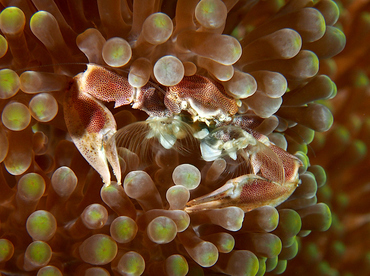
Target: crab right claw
251,191
246,192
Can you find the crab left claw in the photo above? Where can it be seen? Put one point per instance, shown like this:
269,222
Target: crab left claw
247,192
91,125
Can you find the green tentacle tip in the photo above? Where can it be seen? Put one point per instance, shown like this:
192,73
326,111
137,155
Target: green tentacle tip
228,245
3,46
186,175
236,52
6,250
16,116
208,7
40,109
162,230
281,267
43,107
38,252
41,225
271,263
38,19
31,186
104,248
211,13
9,82
49,270
327,217
275,246
176,265
116,52
249,263
98,249
160,21
208,258
320,174
131,263
261,267
95,215
12,20
123,229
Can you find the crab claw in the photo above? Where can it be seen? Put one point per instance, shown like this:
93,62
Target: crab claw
91,125
247,192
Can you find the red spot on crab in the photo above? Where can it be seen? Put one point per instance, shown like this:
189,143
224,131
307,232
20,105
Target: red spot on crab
90,114
93,118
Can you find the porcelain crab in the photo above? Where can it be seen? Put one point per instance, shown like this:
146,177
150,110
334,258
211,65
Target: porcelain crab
273,172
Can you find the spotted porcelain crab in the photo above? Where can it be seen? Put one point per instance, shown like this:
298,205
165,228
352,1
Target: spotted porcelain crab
273,172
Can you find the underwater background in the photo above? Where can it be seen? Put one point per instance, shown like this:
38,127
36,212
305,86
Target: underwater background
297,74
